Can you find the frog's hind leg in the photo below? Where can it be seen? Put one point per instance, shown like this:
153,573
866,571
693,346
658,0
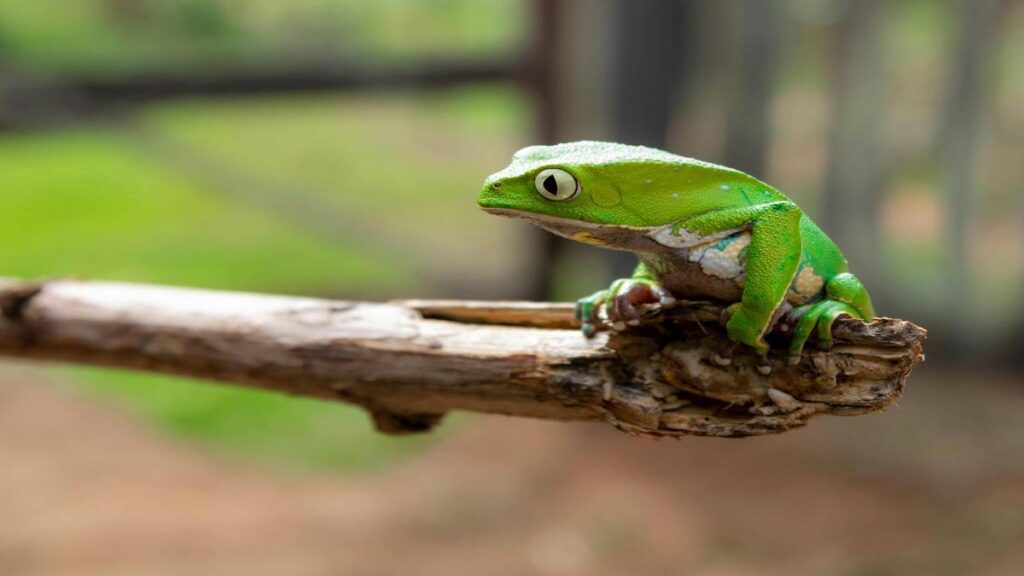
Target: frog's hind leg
846,288
844,295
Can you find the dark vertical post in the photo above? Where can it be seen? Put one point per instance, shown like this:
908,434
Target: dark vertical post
645,68
5,118
747,132
977,22
854,176
542,77
544,60
648,44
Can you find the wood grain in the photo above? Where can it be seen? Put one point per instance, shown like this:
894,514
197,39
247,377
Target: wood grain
408,363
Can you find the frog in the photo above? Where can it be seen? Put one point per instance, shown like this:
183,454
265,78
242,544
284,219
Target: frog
700,231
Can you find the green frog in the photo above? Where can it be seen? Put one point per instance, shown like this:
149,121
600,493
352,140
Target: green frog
699,231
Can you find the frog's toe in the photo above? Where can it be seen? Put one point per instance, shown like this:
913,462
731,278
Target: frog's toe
808,318
828,318
821,316
660,295
630,300
587,311
622,309
799,318
727,313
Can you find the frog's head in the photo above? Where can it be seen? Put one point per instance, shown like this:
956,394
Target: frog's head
596,192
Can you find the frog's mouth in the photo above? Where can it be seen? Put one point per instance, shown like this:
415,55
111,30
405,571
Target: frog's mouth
604,235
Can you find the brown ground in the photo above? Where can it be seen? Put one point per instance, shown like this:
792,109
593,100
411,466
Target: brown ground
936,487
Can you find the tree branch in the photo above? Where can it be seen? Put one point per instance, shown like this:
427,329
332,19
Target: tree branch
410,362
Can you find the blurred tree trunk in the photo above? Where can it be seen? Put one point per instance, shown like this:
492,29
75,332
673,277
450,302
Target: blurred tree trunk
649,43
854,176
748,132
542,76
959,141
4,97
615,69
604,69
567,71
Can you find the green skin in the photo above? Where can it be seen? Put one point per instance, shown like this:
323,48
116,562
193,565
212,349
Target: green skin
699,230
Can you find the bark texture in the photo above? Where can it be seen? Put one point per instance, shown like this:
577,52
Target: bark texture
408,363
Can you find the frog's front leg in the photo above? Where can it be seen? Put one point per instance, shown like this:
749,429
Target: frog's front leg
620,301
773,257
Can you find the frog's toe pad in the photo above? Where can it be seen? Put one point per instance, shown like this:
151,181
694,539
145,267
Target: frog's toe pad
634,299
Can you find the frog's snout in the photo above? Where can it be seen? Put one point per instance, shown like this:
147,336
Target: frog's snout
490,195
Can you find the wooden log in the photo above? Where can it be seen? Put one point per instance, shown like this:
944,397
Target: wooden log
408,363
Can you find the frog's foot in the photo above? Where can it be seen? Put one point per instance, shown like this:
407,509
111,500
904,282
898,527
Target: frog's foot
749,328
782,312
821,315
621,304
724,357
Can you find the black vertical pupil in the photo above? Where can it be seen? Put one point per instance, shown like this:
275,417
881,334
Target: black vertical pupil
550,184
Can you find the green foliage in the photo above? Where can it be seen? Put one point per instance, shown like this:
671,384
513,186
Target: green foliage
116,35
88,203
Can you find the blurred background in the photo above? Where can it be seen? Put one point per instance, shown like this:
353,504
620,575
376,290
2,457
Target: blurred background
335,147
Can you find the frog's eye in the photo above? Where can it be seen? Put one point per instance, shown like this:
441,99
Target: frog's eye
556,184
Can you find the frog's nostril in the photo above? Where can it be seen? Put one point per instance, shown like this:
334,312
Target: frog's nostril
496,185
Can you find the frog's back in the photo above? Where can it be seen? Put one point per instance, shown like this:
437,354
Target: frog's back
593,153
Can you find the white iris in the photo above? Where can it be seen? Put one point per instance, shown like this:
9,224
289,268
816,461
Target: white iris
556,184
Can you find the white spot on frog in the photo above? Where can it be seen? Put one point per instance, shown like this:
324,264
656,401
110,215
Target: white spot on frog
721,259
677,239
675,195
724,187
807,283
648,181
